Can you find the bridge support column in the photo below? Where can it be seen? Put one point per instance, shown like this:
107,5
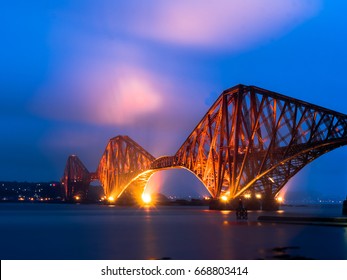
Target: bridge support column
249,204
252,204
270,204
217,204
344,207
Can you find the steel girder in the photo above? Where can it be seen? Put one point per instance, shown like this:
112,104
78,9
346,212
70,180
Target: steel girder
76,178
253,139
122,161
250,140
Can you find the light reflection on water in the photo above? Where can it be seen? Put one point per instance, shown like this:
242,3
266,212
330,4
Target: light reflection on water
58,231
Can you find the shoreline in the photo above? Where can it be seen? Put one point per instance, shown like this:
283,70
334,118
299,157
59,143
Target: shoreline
319,221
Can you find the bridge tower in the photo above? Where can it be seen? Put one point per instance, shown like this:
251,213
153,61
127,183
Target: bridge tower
252,141
122,161
76,179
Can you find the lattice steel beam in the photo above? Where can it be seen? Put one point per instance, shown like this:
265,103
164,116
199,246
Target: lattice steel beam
251,139
121,162
254,139
76,178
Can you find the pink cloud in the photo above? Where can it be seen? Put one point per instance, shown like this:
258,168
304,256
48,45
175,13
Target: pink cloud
101,76
100,94
221,24
131,94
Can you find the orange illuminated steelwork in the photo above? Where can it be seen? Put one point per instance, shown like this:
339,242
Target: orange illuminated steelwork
251,140
121,162
256,139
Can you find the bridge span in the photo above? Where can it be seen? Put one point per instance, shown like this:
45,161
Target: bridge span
251,141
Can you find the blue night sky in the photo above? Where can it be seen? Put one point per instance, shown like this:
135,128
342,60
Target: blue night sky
74,74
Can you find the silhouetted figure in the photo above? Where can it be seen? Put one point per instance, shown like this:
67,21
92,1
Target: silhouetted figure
240,204
241,211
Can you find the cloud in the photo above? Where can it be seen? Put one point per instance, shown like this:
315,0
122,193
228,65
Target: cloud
211,25
105,71
117,96
132,94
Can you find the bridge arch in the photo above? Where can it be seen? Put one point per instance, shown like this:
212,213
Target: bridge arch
137,186
251,139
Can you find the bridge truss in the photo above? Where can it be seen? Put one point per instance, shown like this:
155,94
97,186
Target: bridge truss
122,161
250,140
253,139
76,178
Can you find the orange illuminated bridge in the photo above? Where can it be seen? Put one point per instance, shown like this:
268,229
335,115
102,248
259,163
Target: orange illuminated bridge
248,144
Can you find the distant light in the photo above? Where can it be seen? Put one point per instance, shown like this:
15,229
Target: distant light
146,198
272,180
111,199
77,197
279,199
258,196
224,198
247,195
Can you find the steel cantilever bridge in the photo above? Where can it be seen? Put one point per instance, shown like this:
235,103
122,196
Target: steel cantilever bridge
250,141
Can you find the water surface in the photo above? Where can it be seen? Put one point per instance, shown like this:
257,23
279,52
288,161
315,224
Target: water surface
67,231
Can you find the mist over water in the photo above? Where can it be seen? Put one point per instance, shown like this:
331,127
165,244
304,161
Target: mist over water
61,231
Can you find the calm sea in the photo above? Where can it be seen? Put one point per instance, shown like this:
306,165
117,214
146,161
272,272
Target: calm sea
62,231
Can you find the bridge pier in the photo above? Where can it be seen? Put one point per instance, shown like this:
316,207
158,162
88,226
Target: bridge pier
270,204
252,204
217,204
266,204
249,204
344,207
